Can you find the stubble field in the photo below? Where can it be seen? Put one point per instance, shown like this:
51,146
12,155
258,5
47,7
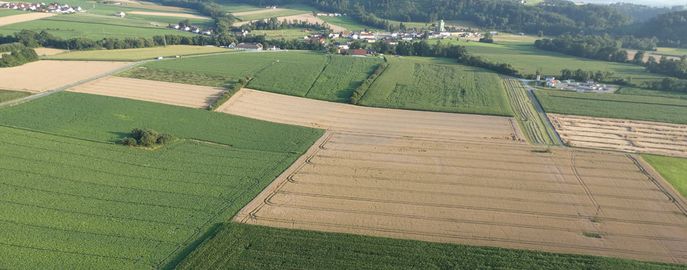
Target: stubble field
622,135
46,75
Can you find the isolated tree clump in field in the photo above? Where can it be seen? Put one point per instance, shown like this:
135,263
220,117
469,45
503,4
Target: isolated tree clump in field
146,138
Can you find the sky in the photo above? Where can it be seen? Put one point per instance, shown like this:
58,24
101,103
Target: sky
643,2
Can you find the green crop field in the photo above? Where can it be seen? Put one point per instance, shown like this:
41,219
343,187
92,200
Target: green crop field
9,12
650,93
72,199
437,85
138,54
320,76
282,11
6,95
672,51
93,26
238,246
632,107
673,170
528,59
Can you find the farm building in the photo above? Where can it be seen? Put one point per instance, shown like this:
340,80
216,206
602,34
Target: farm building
250,46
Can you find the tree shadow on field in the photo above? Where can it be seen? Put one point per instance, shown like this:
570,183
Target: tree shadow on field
119,135
179,255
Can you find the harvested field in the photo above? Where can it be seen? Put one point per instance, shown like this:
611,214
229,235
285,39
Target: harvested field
46,75
622,135
478,193
300,17
170,14
7,20
154,91
48,51
256,12
344,117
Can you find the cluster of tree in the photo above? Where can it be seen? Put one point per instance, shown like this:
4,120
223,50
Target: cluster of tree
12,46
668,84
44,39
669,28
274,24
226,95
360,91
18,57
669,67
644,44
583,75
487,38
553,17
590,46
146,138
642,13
294,44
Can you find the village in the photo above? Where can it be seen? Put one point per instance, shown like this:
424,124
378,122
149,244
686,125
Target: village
42,7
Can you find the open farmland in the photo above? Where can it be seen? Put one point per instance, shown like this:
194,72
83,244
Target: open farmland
46,75
622,135
436,85
477,193
93,26
527,59
170,14
71,198
138,53
161,92
326,77
24,17
264,13
632,107
528,115
238,246
365,120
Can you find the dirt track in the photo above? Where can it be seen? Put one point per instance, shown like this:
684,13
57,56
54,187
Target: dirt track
622,135
46,75
153,91
343,117
430,177
7,20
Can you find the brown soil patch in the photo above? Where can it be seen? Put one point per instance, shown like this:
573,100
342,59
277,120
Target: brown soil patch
631,56
48,51
343,117
492,194
169,14
622,135
457,179
259,11
46,75
24,17
153,91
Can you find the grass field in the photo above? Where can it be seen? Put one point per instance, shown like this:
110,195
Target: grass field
9,12
137,54
527,59
633,107
672,51
10,95
93,26
314,75
673,170
71,198
281,11
650,93
287,34
238,246
437,85
529,119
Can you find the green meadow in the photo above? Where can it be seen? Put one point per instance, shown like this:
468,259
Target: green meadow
71,198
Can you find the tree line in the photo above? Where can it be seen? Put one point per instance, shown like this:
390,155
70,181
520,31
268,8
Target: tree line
274,24
17,57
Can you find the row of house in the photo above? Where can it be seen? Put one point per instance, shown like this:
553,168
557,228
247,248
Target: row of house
191,28
42,7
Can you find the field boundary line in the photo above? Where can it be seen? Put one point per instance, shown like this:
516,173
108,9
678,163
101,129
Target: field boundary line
543,116
660,182
326,64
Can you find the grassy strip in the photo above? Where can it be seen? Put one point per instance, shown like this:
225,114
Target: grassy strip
526,114
240,246
165,75
226,95
673,170
362,89
11,95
